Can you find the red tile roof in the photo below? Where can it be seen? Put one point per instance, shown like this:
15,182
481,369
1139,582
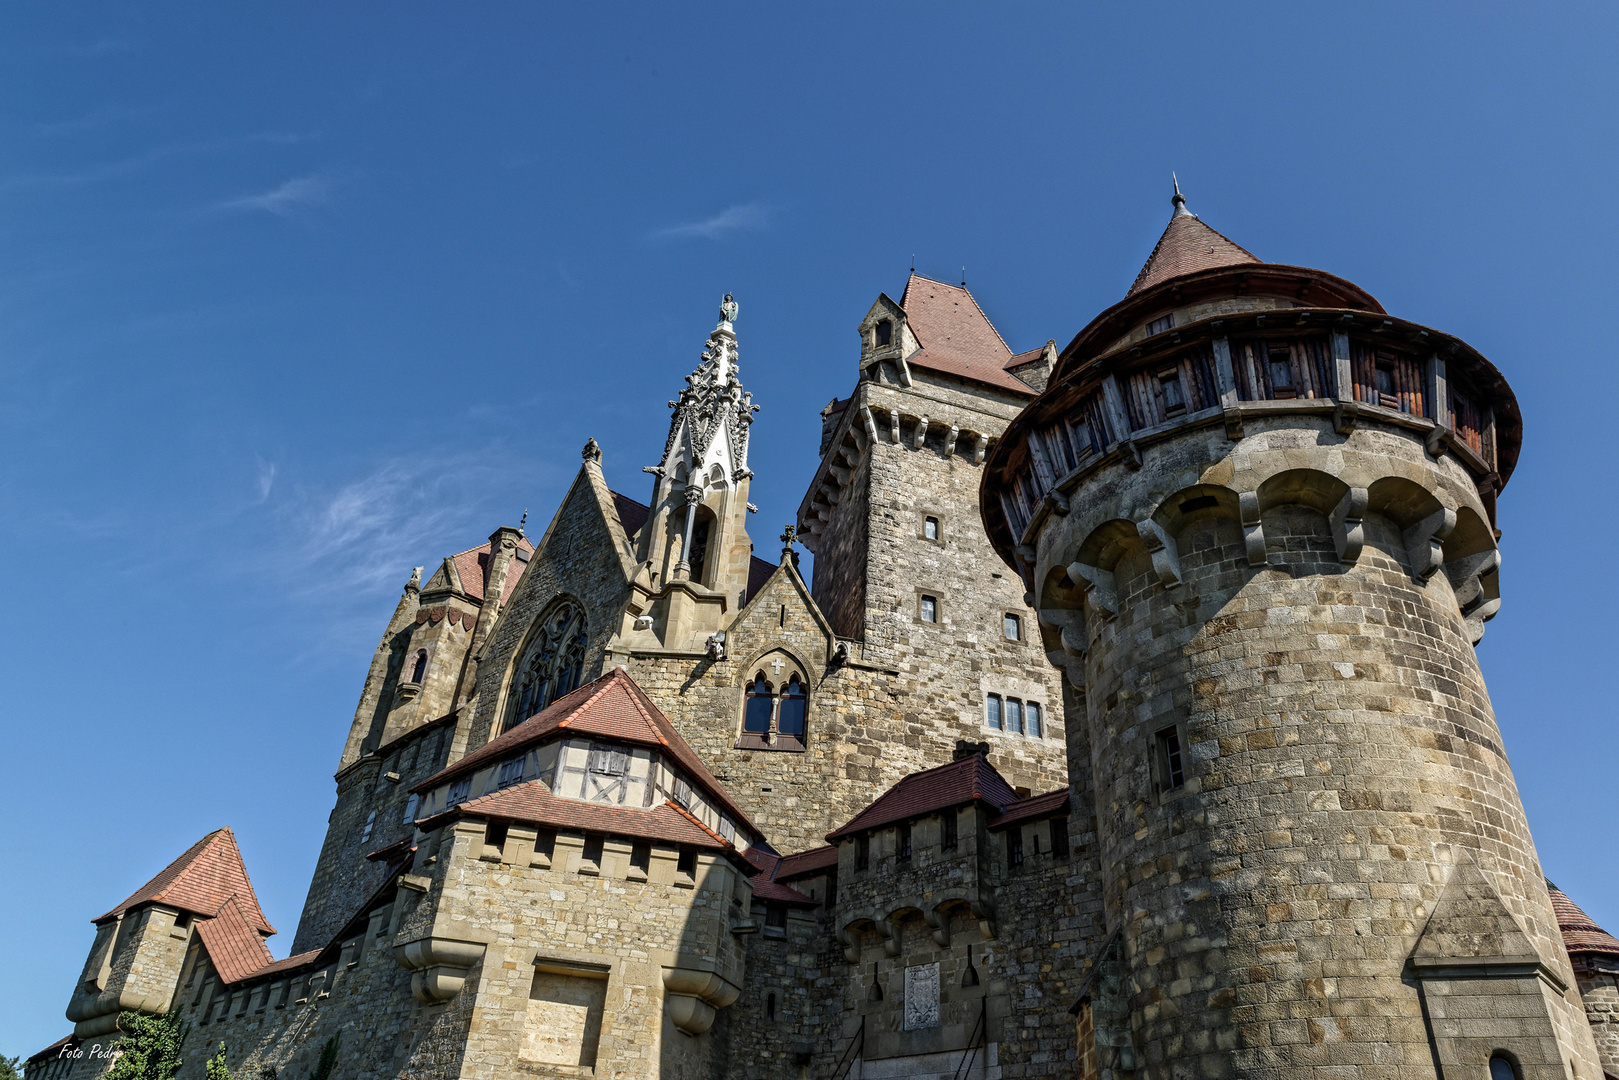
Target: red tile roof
1186,247
765,885
971,779
473,564
1051,804
631,514
611,707
804,863
200,881
533,803
1025,358
956,336
291,962
233,945
1580,933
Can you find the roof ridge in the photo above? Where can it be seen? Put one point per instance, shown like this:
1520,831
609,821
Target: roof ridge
697,822
585,704
639,699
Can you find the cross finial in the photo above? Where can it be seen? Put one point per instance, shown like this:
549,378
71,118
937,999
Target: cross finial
789,537
521,522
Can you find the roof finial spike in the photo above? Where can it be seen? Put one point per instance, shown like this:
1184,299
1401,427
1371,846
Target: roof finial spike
1179,200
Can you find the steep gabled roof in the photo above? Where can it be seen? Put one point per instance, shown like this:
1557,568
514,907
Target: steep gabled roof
1186,247
472,566
631,514
803,863
611,707
1580,933
956,336
200,881
233,945
970,779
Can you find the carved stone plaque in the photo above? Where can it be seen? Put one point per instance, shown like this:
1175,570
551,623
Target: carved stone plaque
921,997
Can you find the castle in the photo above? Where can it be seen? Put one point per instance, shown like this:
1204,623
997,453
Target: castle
1130,727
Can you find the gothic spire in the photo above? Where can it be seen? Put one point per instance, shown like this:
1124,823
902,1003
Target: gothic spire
712,415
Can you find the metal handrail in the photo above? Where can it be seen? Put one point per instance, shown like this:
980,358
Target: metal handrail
846,1062
966,1067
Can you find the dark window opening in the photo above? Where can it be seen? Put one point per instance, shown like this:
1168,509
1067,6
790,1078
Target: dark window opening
1503,1067
947,831
930,528
494,835
1281,371
1014,847
1171,773
760,704
182,920
902,842
1159,325
862,852
697,557
1174,396
790,722
883,333
783,621
1201,502
776,915
687,863
1388,392
419,672
593,850
770,1007
1059,838
641,857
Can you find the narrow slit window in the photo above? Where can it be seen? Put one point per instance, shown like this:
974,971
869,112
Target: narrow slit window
862,852
902,842
790,722
1014,847
947,831
770,1007
1388,393
1172,774
1059,838
992,711
419,672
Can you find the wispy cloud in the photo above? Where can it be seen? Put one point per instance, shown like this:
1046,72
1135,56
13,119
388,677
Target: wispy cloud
112,170
299,193
266,478
744,217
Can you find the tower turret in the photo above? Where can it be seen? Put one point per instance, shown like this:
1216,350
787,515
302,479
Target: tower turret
1255,515
694,552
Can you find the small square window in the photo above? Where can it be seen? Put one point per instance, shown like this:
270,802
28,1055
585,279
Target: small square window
1013,625
992,711
1159,325
930,528
928,609
1171,772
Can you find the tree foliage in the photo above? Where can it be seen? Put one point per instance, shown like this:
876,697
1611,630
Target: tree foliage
149,1048
10,1068
215,1068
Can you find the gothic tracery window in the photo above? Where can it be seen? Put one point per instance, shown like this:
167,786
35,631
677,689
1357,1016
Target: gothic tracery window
775,705
553,664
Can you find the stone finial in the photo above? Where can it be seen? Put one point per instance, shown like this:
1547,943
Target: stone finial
1179,200
591,452
415,582
728,309
789,537
522,521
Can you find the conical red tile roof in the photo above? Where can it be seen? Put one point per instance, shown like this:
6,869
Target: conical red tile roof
1186,247
1580,933
200,881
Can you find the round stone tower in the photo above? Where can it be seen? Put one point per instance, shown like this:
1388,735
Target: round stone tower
1256,515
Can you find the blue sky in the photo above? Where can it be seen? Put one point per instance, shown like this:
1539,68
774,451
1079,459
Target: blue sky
295,298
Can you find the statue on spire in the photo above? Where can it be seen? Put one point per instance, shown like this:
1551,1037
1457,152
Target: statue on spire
728,309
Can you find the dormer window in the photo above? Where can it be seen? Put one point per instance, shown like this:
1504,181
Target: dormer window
882,334
511,772
1159,325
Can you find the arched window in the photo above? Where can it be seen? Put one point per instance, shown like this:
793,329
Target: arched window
1503,1067
419,672
552,665
758,704
775,707
790,721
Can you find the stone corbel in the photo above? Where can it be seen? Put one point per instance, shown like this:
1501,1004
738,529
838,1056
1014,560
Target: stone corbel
440,966
1467,579
868,423
950,441
939,922
1344,416
692,997
851,947
890,935
1348,529
1232,416
1438,440
1101,593
1253,529
979,449
1166,561
1424,542
893,425
920,435
1058,502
